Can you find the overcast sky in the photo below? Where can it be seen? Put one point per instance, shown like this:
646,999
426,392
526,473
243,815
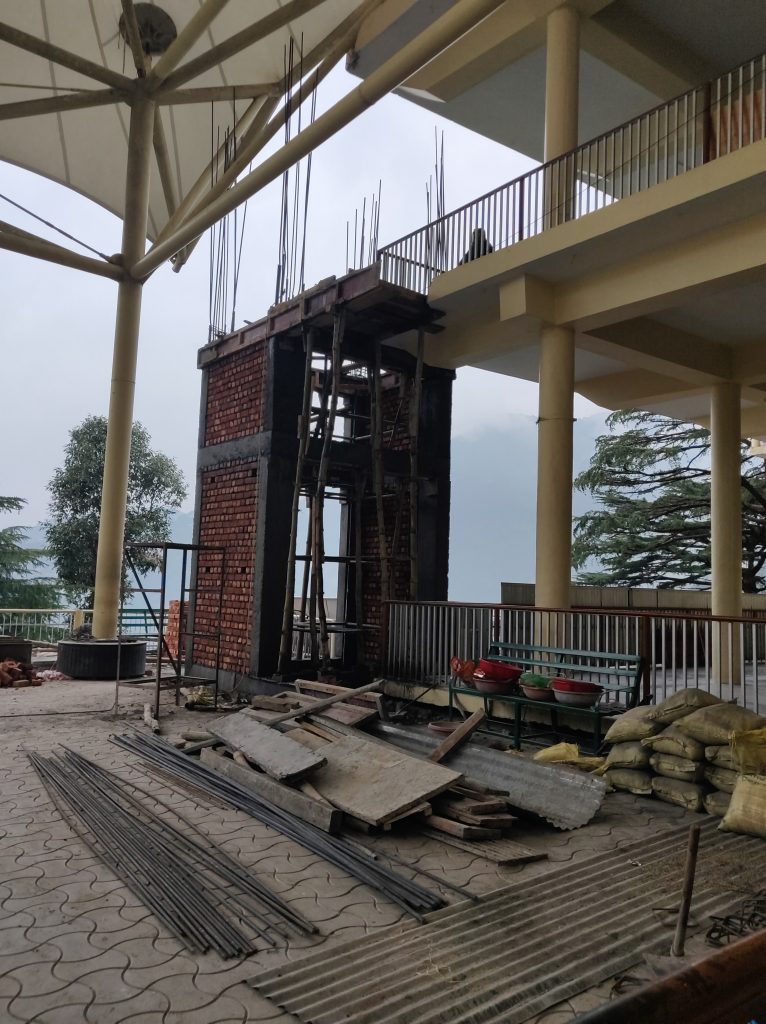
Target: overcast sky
57,324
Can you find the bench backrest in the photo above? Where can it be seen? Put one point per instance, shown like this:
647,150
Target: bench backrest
618,672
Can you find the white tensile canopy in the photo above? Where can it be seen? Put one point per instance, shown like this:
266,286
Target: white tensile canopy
155,111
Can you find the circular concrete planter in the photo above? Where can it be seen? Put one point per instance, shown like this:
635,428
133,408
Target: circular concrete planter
97,659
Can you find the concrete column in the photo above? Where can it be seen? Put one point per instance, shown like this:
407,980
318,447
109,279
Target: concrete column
562,81
554,468
117,460
726,499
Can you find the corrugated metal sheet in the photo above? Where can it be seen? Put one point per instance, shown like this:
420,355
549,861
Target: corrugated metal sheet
563,796
516,953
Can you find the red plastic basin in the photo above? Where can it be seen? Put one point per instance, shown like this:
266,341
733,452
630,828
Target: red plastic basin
575,686
497,671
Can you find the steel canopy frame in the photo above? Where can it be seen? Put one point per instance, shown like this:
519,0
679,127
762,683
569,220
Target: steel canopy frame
193,214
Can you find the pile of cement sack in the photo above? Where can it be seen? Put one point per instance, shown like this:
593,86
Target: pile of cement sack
696,751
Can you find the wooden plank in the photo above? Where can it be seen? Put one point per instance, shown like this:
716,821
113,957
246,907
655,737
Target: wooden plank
329,701
278,704
292,801
311,687
458,737
499,851
273,751
377,784
308,738
349,714
313,792
461,831
454,809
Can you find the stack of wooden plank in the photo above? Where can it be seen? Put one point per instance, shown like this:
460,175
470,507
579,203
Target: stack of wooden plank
304,751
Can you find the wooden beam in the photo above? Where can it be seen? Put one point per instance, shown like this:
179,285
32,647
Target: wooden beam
58,55
458,737
319,813
81,100
320,705
241,40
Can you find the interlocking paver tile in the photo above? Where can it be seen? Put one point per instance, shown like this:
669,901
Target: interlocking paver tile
182,966
28,1005
81,968
224,1008
148,1001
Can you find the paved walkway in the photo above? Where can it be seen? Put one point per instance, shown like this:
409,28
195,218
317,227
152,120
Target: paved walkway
76,947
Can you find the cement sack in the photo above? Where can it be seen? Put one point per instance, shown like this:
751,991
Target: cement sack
724,779
748,751
672,767
714,725
627,755
720,755
682,703
638,783
717,803
675,741
632,725
673,791
747,808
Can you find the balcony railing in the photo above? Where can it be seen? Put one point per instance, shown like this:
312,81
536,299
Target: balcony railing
704,123
726,657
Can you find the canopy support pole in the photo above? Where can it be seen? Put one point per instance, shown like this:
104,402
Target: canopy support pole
116,464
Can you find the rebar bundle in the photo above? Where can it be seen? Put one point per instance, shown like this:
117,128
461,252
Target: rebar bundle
407,894
204,897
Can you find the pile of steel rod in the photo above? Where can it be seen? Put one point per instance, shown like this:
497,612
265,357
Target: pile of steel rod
204,897
407,894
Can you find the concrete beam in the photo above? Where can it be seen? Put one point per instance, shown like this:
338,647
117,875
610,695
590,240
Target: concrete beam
510,33
630,45
664,278
654,346
635,389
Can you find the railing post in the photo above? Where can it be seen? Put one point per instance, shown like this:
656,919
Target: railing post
78,620
645,651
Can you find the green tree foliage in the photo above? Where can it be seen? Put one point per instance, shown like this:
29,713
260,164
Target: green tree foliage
156,488
21,586
650,476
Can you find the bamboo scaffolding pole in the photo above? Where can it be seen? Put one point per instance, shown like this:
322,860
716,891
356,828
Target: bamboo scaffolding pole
305,583
285,647
417,390
358,526
376,434
313,645
339,323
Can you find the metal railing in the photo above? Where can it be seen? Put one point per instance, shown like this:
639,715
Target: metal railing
46,625
702,124
49,625
726,657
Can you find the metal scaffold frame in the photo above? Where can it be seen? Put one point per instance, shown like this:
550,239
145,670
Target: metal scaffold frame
188,598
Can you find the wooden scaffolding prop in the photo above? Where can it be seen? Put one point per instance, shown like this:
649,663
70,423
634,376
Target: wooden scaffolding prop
341,375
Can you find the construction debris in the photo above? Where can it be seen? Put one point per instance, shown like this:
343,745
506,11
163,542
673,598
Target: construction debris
456,966
17,674
272,751
411,897
563,796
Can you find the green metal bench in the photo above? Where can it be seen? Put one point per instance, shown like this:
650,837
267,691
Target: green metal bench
616,673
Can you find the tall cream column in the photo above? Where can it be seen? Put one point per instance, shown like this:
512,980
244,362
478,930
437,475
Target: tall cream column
114,489
726,531
562,80
726,499
556,397
554,468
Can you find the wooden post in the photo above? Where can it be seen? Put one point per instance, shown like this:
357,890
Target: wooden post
324,467
677,949
376,434
358,591
304,426
417,389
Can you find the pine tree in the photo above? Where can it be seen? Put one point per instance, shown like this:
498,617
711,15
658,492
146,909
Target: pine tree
650,477
21,585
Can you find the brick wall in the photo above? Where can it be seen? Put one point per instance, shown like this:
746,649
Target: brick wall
236,392
397,518
228,508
